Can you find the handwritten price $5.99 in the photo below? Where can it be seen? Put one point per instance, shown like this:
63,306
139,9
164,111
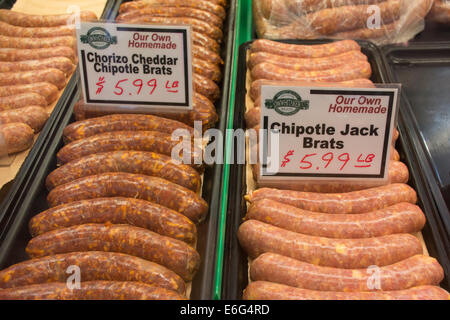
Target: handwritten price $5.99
138,85
342,160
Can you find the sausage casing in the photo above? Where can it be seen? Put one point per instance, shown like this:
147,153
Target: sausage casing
51,75
415,271
94,265
33,116
350,202
38,32
206,69
205,87
35,43
91,290
262,290
47,90
257,237
170,253
22,100
120,184
136,212
15,137
148,163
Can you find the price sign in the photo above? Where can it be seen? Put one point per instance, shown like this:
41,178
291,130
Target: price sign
136,65
320,133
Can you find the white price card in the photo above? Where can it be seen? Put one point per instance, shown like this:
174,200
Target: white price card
136,65
324,133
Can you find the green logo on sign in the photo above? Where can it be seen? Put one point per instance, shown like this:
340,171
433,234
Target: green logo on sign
287,103
98,38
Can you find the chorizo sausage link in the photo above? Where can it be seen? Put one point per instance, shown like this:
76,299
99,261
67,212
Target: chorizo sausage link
120,184
262,290
415,271
205,87
206,69
50,75
170,253
117,210
36,43
94,265
147,163
206,54
91,290
15,137
38,32
47,90
9,54
257,237
62,63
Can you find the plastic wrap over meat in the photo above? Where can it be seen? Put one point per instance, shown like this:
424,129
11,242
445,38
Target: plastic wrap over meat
381,21
440,12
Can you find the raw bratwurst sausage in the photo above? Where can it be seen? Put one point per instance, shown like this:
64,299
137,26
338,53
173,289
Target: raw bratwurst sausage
35,43
47,90
51,75
418,270
33,116
91,290
8,54
400,218
257,237
22,100
136,212
351,202
94,265
62,63
119,184
28,20
147,163
15,137
262,290
38,32
173,254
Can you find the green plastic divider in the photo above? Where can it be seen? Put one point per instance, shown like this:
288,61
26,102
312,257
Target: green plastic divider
243,33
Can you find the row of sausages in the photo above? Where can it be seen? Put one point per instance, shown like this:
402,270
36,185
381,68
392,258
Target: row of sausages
388,21
120,209
37,55
331,241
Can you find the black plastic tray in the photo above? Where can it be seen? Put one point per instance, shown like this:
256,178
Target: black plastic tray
424,70
236,263
29,199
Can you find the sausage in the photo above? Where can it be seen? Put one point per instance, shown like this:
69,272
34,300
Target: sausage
119,184
304,51
33,116
200,5
39,32
152,141
94,265
148,163
299,64
400,218
120,122
62,63
415,271
166,11
35,43
206,54
197,25
203,111
332,20
9,54
117,210
349,71
205,69
22,100
170,253
351,202
397,173
257,237
440,12
28,20
51,75
205,87
47,90
255,87
91,290
315,5
15,137
262,290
